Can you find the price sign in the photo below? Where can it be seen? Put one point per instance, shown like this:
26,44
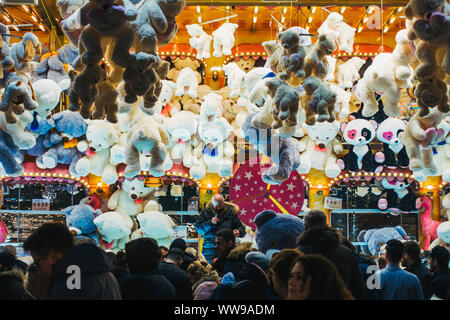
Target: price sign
180,232
333,203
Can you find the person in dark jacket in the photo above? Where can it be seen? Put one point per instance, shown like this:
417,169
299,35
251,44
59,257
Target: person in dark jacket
440,282
318,238
12,286
411,262
218,214
187,259
224,242
236,258
77,272
177,276
120,267
20,265
145,281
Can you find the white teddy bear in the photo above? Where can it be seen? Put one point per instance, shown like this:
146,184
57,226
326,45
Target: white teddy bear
250,80
235,76
348,72
319,148
442,156
154,224
166,97
331,68
346,37
331,26
211,107
182,128
224,39
388,73
100,135
200,41
132,197
215,153
187,82
114,229
342,101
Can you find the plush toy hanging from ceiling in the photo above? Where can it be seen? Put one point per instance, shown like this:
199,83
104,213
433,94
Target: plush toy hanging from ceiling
200,41
224,39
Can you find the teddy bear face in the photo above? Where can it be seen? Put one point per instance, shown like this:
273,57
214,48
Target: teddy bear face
246,64
182,125
358,132
327,45
186,63
194,30
422,9
389,129
81,219
101,135
47,94
136,188
322,132
112,226
289,39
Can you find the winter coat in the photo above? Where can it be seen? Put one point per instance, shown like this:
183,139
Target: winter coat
326,242
179,279
12,286
236,258
227,219
424,276
96,281
440,284
149,286
204,288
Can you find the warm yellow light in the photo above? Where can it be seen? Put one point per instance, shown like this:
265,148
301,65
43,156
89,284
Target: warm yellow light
343,9
365,20
386,29
26,8
310,19
254,19
392,20
42,27
198,9
285,10
256,9
429,187
313,9
7,18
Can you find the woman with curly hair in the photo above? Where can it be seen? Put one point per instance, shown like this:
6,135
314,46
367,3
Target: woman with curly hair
204,279
314,277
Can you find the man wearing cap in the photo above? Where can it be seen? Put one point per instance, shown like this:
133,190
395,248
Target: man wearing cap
218,214
440,283
176,276
395,283
187,259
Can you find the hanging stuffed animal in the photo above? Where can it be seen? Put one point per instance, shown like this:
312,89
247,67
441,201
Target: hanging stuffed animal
200,41
398,196
224,39
294,55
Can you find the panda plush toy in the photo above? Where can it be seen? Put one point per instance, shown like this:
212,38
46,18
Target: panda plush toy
393,149
358,133
398,196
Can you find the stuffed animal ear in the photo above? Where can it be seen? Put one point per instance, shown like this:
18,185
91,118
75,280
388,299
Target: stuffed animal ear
374,124
343,126
408,12
29,48
38,49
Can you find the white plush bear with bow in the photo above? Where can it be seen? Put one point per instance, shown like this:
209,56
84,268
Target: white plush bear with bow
200,40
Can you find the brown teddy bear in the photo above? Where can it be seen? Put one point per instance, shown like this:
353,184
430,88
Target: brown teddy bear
419,137
193,104
284,102
180,64
315,62
294,55
320,100
275,52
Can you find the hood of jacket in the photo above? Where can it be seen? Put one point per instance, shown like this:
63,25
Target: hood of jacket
212,276
233,206
239,252
319,239
205,290
89,258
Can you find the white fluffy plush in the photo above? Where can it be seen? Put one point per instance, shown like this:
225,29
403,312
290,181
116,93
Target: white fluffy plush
337,30
187,83
319,148
47,93
342,101
331,68
182,128
22,138
250,80
114,228
211,107
200,41
100,135
224,39
345,38
348,72
131,198
235,76
388,73
442,158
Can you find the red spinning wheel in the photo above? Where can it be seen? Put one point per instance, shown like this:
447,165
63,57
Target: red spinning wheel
253,195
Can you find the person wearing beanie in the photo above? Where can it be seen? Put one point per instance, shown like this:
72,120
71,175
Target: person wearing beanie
145,281
393,283
440,282
187,259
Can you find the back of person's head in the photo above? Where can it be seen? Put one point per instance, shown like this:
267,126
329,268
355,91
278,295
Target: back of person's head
325,283
178,243
190,251
394,250
412,249
120,262
441,256
227,235
315,219
347,243
10,249
382,262
197,270
12,286
281,264
142,255
6,261
50,236
175,255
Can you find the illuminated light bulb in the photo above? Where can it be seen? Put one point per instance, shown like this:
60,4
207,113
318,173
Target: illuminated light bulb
34,18
255,18
198,9
392,20
99,184
25,8
42,27
386,29
429,187
313,9
365,19
360,29
285,10
343,9
6,18
399,9
283,18
319,186
199,20
310,19
389,174
307,29
280,29
256,9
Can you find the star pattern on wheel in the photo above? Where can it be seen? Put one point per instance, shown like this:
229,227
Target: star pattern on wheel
243,212
237,188
290,186
248,175
294,205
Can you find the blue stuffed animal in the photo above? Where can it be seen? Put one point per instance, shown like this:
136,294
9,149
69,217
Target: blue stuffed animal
375,238
8,154
80,220
277,230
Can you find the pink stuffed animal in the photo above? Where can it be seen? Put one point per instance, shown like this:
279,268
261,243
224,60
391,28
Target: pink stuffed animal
3,232
92,201
429,226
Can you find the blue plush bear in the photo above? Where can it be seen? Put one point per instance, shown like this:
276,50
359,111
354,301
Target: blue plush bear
8,154
375,238
80,220
69,126
277,230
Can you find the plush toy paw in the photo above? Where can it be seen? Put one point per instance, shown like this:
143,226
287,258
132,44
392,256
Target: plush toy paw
49,162
369,109
382,204
332,171
434,30
24,141
217,54
131,173
378,169
305,165
83,167
340,163
379,157
117,155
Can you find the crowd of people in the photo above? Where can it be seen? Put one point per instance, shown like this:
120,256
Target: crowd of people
324,266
